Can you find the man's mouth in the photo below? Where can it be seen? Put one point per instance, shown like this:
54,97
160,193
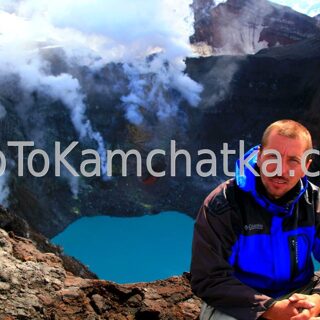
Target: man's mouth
278,180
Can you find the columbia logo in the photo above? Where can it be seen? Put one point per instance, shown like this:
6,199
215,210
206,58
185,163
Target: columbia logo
250,227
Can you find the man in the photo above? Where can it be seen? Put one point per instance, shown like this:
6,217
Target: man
254,235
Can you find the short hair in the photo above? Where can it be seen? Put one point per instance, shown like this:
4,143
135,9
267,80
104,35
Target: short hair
290,129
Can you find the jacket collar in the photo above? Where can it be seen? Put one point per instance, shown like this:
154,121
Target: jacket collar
247,182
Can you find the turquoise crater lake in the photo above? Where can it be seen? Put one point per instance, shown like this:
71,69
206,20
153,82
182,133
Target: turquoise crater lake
134,249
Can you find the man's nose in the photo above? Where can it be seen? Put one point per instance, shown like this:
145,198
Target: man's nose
285,168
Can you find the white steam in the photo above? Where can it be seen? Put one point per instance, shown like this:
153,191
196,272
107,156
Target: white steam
4,189
3,111
93,33
19,54
150,84
120,31
226,70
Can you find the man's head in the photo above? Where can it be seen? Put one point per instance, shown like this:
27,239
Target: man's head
290,139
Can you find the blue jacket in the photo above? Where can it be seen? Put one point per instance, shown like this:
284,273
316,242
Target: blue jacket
248,250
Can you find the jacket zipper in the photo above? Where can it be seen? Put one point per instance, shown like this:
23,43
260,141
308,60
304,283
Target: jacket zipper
293,256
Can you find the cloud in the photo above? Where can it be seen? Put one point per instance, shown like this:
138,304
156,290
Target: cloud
309,7
219,1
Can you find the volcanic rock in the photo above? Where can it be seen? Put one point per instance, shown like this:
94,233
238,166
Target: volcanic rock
35,285
247,26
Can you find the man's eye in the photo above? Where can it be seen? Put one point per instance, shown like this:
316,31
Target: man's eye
271,156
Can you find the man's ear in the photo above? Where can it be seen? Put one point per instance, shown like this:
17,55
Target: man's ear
259,156
308,163
307,166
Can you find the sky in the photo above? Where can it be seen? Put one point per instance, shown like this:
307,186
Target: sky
309,7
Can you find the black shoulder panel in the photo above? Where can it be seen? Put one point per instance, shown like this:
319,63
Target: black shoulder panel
219,203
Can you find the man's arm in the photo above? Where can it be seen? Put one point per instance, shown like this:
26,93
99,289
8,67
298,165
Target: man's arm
212,276
316,244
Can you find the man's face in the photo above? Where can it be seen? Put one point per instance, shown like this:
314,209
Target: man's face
291,151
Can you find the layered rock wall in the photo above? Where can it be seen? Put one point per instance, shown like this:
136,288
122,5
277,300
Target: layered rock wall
35,285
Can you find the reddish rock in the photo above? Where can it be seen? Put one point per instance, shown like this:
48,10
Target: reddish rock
246,26
37,286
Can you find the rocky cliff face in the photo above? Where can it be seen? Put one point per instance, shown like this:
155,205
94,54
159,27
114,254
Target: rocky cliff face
241,96
18,227
35,285
247,26
276,83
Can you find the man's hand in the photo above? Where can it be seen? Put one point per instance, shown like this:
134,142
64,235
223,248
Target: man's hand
288,309
307,313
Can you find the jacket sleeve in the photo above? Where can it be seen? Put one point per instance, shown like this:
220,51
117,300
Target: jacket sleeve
316,244
212,276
